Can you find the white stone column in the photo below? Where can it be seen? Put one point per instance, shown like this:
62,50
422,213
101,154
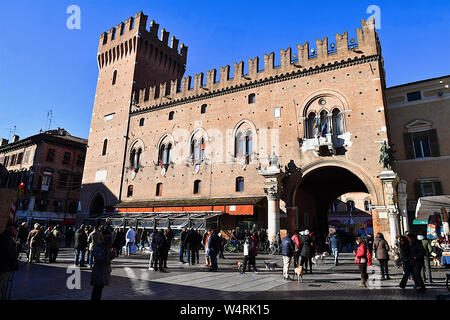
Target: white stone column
390,180
272,187
402,205
273,217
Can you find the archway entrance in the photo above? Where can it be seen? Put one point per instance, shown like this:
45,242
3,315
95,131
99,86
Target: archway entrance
318,193
97,205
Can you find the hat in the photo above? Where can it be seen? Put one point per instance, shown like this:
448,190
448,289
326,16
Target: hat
419,237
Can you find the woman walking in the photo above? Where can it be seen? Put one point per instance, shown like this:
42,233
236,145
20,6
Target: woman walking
308,251
381,249
362,260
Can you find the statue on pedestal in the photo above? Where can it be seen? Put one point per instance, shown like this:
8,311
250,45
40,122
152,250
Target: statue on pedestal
386,156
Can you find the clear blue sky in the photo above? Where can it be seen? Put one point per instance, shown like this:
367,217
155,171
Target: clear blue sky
44,65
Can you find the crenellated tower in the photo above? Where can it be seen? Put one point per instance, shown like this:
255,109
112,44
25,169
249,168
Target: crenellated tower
129,56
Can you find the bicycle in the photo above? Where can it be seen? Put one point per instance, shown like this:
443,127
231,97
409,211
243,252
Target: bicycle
274,248
263,247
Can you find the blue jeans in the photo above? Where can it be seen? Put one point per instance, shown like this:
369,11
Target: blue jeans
182,253
213,256
77,256
128,247
91,257
335,254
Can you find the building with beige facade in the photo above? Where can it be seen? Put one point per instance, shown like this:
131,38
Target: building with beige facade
272,148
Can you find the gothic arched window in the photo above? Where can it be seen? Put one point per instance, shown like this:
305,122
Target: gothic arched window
338,125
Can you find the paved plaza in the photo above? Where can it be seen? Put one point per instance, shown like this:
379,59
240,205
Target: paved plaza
132,280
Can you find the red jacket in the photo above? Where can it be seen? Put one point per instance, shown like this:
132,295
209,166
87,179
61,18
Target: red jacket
255,245
361,253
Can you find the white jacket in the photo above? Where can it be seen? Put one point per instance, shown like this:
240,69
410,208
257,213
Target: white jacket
131,234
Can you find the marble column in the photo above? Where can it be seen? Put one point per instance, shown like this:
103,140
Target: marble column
402,205
272,188
390,180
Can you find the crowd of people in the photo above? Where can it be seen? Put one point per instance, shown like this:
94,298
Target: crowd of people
96,247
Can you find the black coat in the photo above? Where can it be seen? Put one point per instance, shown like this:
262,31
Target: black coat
214,243
80,239
8,253
119,240
160,244
183,238
190,239
308,249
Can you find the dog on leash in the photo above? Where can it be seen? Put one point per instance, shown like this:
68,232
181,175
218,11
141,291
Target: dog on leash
270,266
298,271
319,257
240,266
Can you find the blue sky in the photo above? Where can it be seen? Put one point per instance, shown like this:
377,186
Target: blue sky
44,65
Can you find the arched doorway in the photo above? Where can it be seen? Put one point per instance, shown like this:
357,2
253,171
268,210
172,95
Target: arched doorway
318,192
97,205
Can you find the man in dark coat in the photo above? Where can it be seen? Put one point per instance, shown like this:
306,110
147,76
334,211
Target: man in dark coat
119,241
308,251
213,249
416,255
22,234
182,246
69,236
287,251
80,245
189,244
159,250
8,254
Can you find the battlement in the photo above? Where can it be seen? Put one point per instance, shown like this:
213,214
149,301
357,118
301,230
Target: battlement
127,37
325,54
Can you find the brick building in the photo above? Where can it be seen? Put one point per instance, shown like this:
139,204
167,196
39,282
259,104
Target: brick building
273,147
49,166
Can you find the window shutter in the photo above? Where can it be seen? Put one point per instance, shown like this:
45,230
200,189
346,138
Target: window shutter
434,144
438,188
417,190
409,145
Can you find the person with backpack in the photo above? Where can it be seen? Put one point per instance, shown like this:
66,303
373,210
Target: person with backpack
381,249
363,259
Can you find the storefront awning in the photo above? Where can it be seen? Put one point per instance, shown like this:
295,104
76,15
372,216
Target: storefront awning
160,220
427,206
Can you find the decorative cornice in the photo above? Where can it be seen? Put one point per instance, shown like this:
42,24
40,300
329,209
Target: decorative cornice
258,83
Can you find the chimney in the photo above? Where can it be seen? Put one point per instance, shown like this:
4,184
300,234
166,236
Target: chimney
15,138
3,142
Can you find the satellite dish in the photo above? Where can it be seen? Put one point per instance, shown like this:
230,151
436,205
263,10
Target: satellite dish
133,175
163,172
196,168
352,40
332,46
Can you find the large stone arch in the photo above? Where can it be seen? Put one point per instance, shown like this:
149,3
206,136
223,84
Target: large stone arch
95,207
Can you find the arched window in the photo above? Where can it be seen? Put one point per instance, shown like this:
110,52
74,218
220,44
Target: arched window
159,187
197,186
350,205
105,147
171,115
133,159
114,79
239,145
323,129
367,205
240,184
251,98
312,126
204,108
338,125
165,155
141,122
130,191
